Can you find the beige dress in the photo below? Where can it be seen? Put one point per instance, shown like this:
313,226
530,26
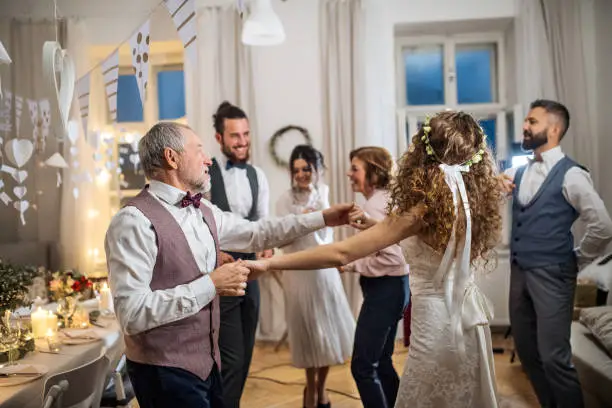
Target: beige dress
320,324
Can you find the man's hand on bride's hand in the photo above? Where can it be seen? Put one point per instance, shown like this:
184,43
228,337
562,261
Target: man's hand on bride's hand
257,268
359,219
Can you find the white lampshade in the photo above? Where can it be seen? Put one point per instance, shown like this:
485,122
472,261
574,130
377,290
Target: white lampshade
262,27
4,57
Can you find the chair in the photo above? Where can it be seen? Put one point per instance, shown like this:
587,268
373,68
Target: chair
53,399
85,382
119,391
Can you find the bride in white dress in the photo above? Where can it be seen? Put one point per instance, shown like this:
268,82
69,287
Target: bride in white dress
446,215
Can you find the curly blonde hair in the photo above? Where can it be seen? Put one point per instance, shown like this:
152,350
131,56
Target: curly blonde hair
455,138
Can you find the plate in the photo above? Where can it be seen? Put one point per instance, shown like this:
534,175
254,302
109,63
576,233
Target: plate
71,336
18,380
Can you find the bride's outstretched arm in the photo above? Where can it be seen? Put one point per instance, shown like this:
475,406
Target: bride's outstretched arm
385,233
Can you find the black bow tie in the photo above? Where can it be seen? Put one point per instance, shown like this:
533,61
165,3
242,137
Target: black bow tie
239,165
189,200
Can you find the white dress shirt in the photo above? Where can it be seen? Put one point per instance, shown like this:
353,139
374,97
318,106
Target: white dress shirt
579,192
131,251
238,190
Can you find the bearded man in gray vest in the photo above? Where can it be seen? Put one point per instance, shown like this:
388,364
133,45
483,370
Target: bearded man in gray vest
550,193
163,257
240,188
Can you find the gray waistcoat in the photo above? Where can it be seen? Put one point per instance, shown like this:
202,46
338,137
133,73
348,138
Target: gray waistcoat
541,229
190,343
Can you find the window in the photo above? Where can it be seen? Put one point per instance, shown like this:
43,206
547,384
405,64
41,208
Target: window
459,72
129,105
171,93
132,177
463,72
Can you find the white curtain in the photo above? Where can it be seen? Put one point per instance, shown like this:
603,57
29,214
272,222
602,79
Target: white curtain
84,219
341,25
551,64
34,242
224,72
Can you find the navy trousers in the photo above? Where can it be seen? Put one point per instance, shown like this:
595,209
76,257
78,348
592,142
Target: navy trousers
167,387
384,301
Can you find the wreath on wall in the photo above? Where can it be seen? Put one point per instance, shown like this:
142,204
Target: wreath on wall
277,136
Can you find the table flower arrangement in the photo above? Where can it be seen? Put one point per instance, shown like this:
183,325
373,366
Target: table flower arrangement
66,288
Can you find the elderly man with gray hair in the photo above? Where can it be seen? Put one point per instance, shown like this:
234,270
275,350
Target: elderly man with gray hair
162,251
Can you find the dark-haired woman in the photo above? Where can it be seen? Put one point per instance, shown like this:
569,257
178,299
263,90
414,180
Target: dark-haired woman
320,323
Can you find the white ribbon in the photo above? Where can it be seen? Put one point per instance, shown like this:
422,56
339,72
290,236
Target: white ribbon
456,289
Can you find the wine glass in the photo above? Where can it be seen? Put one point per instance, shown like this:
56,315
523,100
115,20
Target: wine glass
10,334
66,308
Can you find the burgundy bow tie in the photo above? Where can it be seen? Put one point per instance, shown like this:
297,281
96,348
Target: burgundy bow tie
189,199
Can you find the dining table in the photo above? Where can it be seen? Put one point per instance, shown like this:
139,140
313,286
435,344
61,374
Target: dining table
108,340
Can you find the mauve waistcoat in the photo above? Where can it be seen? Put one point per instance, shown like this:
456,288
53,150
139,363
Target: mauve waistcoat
190,343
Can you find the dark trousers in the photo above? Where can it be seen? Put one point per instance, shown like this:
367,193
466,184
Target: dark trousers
239,318
164,387
541,306
384,301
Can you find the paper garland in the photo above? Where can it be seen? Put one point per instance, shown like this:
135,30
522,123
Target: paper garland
184,17
18,152
110,72
139,43
57,61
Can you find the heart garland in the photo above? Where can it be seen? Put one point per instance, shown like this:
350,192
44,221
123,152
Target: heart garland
18,152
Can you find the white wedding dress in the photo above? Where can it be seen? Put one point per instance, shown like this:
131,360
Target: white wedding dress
450,359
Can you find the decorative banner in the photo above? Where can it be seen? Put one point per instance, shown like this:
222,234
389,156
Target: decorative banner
184,18
44,113
33,109
5,113
18,152
3,196
57,61
140,58
82,88
110,72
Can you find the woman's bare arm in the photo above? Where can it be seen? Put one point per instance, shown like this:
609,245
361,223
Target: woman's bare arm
387,232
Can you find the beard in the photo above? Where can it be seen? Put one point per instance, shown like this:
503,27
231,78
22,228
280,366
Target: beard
201,184
533,141
227,151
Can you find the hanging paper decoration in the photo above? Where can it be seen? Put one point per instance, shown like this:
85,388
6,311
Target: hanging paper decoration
184,18
57,161
44,115
110,72
82,88
140,58
18,108
36,124
18,152
5,198
6,113
57,62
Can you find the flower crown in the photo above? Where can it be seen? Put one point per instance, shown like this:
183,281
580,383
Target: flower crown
476,158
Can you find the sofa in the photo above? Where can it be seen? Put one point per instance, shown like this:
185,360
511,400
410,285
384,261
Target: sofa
591,340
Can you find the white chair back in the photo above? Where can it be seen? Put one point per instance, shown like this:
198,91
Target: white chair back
85,384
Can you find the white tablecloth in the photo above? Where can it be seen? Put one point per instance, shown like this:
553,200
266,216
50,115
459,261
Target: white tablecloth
69,357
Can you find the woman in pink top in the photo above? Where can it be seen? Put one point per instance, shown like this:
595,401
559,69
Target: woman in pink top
384,282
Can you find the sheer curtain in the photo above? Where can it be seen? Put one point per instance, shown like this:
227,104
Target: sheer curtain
341,25
23,80
84,219
224,72
550,52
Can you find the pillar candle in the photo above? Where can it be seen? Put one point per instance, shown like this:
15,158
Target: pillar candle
39,323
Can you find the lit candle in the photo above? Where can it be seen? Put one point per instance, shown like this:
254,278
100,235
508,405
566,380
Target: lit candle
52,321
39,323
106,300
52,340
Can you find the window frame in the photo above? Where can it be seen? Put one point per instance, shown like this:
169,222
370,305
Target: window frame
449,44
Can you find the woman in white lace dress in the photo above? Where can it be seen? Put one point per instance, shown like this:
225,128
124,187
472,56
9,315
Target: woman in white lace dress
445,207
319,320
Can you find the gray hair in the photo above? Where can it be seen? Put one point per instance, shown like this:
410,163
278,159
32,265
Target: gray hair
152,145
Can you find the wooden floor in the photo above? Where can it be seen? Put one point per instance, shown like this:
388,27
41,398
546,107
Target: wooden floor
274,383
